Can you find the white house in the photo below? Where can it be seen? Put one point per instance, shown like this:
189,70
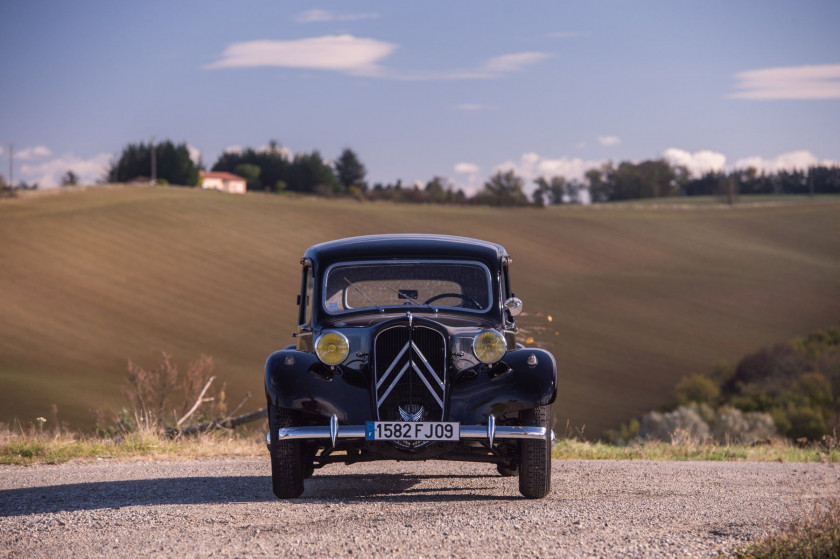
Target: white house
226,182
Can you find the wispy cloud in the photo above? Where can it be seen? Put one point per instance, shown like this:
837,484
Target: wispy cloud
698,163
514,62
609,140
358,56
492,68
789,82
48,174
324,16
472,107
33,152
342,53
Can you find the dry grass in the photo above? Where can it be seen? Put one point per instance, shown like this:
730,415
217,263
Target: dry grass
33,447
779,451
639,298
55,448
814,535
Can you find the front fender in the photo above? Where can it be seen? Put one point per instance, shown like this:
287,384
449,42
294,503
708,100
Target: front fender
298,380
510,386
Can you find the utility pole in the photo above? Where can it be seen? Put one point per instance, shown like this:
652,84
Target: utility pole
11,167
811,181
153,181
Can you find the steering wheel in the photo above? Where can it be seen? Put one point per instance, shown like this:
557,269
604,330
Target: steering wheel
470,300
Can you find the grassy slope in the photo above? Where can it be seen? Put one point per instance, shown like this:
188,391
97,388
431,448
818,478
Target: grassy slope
638,297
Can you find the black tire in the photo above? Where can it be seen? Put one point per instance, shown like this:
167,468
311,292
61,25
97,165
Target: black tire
286,468
504,471
307,462
535,455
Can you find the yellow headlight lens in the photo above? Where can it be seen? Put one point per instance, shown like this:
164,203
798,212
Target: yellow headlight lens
489,346
332,348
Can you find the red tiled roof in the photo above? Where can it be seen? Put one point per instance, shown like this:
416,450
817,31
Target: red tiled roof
220,175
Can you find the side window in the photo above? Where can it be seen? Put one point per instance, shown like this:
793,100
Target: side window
305,299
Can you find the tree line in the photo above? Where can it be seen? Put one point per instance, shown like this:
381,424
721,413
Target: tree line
272,169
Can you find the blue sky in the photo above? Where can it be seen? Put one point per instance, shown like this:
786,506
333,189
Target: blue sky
457,89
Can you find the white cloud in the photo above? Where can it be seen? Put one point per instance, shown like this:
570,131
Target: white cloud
609,140
32,153
49,173
514,62
233,149
789,82
785,162
195,154
532,165
697,163
467,168
341,53
472,107
322,16
471,183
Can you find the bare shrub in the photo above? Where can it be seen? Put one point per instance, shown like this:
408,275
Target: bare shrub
160,396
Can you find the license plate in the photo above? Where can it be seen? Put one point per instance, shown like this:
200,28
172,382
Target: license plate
412,431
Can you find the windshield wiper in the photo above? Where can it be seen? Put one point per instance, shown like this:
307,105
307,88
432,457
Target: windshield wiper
351,284
412,299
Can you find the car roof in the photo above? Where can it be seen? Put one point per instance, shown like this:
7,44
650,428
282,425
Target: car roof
406,246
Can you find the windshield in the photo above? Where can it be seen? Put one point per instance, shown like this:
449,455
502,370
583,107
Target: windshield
427,284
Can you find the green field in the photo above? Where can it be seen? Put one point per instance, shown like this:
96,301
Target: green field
638,297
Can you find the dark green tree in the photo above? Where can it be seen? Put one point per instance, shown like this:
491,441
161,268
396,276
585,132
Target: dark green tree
272,161
350,171
69,179
436,190
174,165
251,174
502,189
309,173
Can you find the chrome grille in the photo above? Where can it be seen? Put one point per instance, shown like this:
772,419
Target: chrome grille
410,373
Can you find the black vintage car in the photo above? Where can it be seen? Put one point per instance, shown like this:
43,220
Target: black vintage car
406,350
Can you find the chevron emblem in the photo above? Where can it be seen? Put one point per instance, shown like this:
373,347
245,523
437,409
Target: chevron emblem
408,416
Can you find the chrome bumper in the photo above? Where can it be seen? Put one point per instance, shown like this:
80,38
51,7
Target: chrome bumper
334,431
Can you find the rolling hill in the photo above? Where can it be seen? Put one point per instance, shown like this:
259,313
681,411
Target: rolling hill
629,298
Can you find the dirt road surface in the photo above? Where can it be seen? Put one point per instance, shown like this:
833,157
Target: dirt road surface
224,508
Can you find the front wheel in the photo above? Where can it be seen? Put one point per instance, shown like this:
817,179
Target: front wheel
535,455
286,471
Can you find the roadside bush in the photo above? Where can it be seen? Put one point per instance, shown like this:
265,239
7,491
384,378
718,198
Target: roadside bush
663,426
732,425
701,423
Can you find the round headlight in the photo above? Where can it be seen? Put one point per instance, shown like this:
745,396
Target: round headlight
332,348
489,346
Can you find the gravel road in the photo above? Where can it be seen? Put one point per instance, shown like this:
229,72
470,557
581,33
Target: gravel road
224,508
